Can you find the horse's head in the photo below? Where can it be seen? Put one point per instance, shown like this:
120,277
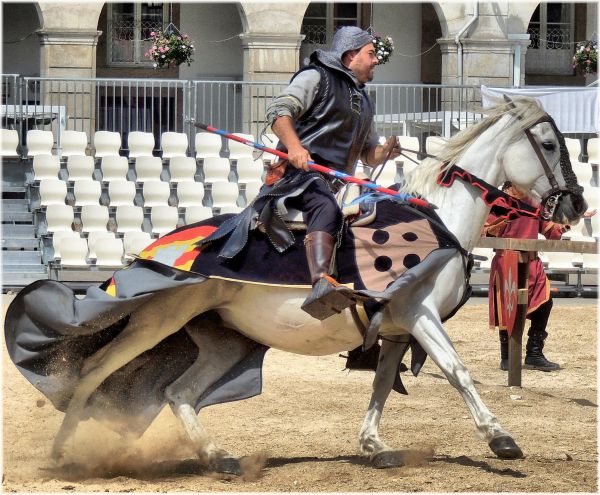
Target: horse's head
537,162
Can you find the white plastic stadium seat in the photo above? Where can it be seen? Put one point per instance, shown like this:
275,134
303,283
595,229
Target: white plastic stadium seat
593,151
129,218
182,168
80,167
224,194
583,171
106,143
39,142
59,217
94,217
229,209
433,144
95,238
591,195
109,252
190,194
114,167
207,144
591,261
46,167
173,144
574,148
488,253
87,192
58,236
10,142
270,141
237,150
164,219
156,193
73,251
140,144
215,168
134,242
195,214
388,175
73,143
252,189
147,168
563,262
52,192
249,169
121,192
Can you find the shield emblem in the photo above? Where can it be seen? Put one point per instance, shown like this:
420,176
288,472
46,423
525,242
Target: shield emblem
508,278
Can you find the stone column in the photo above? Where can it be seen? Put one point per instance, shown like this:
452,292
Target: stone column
267,57
69,53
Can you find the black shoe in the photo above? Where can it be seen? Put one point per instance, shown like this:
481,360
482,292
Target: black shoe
540,363
504,364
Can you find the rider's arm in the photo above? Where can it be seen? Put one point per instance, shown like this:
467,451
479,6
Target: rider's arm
379,153
287,108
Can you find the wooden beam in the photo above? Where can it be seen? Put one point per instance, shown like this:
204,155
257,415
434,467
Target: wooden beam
583,247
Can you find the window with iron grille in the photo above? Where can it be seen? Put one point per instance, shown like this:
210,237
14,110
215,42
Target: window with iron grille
322,20
551,30
129,28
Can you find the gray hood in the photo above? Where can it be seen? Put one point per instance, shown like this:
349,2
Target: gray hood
346,38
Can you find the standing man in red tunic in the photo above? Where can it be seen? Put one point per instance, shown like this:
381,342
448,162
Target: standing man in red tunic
539,297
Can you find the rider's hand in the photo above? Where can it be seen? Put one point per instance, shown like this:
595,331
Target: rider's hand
299,157
391,148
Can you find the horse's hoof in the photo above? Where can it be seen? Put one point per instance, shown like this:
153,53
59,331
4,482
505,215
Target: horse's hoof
388,459
57,454
505,448
227,465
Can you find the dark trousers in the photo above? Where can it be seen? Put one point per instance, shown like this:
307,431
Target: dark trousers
320,208
539,318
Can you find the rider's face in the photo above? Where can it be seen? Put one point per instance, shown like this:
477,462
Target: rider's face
363,63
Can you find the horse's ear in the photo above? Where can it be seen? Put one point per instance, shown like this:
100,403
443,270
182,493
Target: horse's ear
508,100
511,105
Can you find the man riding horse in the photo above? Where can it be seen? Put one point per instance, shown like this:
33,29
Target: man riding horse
324,115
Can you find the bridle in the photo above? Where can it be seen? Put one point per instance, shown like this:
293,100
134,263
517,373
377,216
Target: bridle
551,197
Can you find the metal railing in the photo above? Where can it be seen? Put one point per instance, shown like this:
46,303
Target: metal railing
160,105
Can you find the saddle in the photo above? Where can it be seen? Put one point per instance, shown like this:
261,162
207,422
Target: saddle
356,214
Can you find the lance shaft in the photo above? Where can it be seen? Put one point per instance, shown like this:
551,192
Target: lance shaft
319,168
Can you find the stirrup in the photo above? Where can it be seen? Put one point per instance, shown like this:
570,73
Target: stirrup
327,299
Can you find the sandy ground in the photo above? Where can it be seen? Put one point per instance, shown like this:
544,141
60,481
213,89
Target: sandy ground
301,434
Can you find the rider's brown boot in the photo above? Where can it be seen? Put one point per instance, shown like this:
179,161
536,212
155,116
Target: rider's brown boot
328,297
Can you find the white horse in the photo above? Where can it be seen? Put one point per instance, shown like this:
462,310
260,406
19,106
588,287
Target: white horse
215,312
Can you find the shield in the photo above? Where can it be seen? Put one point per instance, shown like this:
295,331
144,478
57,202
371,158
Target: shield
508,278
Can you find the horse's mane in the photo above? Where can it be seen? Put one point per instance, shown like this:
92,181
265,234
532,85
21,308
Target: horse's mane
527,110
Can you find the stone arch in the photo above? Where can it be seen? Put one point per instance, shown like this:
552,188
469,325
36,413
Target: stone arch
258,17
21,45
79,16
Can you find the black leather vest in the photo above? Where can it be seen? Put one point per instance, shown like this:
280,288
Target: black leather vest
334,129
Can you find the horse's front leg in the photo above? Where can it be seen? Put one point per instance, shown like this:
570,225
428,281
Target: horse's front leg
430,333
369,442
146,327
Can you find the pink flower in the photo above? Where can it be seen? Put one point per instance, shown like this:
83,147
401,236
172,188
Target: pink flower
152,33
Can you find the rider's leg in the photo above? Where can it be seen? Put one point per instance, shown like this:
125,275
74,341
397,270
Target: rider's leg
324,220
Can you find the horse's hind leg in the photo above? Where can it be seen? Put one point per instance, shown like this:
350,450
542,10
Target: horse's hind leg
146,327
219,350
369,442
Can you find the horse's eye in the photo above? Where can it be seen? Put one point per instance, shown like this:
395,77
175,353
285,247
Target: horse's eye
549,145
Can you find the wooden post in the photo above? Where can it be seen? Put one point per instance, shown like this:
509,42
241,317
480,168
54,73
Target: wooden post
515,342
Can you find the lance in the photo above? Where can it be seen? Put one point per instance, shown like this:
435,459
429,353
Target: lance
320,168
